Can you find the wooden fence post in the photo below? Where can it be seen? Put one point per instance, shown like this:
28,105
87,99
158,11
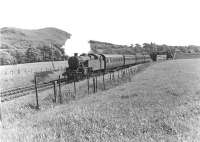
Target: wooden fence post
96,83
104,81
60,95
113,76
54,90
88,82
131,71
36,92
74,85
93,85
118,74
122,73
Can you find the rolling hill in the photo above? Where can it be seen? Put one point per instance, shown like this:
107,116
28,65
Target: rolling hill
22,46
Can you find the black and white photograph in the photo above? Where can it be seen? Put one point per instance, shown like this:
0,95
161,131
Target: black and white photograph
100,71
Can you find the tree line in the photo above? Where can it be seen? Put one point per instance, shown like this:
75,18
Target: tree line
32,54
152,47
144,48
43,54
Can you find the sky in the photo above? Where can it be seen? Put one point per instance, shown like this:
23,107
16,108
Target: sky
172,22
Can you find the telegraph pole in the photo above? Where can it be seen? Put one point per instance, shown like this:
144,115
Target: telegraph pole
52,58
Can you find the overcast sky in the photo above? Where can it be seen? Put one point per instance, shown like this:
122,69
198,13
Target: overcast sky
173,22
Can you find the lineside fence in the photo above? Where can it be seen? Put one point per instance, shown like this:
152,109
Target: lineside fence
7,71
64,90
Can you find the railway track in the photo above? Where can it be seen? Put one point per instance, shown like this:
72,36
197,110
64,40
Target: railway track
22,91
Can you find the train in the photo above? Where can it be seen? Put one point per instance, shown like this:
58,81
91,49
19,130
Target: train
100,63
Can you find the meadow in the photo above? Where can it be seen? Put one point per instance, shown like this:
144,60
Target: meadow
187,55
161,103
19,75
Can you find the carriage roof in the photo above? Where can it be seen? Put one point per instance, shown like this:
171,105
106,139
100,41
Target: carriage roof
112,55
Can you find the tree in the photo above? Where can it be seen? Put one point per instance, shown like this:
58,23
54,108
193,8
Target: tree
138,48
20,56
57,55
62,51
149,48
33,55
46,53
65,57
6,58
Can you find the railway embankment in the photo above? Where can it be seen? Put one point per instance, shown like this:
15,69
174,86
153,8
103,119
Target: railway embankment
159,104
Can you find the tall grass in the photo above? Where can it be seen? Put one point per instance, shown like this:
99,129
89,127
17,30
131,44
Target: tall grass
159,104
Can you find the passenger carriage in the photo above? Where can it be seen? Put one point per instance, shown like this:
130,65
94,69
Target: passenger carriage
112,61
96,62
147,58
139,58
129,60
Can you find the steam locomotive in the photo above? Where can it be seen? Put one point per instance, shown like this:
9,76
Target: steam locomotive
94,63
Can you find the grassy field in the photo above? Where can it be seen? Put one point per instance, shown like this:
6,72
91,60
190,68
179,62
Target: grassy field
187,55
161,103
20,75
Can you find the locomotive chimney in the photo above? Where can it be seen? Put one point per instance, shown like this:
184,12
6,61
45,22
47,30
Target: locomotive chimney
75,54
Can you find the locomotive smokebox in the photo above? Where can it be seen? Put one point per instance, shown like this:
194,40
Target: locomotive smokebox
73,62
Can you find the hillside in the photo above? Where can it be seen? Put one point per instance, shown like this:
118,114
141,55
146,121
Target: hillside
160,104
110,48
21,46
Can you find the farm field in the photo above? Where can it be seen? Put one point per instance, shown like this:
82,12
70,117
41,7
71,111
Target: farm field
27,80
187,55
162,103
13,76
